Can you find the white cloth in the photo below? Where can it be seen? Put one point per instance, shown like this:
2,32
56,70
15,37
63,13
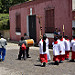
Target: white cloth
47,48
62,47
67,45
56,49
73,45
47,44
41,48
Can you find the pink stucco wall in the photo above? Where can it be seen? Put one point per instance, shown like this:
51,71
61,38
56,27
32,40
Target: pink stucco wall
63,15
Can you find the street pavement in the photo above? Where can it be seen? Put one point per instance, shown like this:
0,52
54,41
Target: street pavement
32,66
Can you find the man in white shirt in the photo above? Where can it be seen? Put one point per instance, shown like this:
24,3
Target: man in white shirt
3,44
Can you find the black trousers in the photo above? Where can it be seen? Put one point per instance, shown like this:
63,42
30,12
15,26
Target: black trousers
22,52
27,51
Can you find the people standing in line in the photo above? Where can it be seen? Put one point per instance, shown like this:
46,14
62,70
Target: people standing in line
73,49
56,52
3,43
26,37
22,51
43,51
67,47
62,48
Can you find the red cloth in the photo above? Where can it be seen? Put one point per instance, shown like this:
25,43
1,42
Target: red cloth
43,58
67,39
66,54
73,39
73,55
61,57
56,58
61,39
55,42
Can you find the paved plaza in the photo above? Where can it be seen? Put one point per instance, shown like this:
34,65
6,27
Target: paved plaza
31,66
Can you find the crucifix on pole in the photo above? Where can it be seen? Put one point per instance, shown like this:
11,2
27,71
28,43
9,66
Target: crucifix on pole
39,19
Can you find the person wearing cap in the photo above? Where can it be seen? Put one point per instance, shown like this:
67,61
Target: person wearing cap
67,47
56,51
43,51
3,44
73,49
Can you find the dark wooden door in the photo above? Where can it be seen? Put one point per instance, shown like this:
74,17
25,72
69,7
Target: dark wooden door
32,27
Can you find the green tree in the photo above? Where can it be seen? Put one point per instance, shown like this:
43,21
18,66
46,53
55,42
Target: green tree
5,4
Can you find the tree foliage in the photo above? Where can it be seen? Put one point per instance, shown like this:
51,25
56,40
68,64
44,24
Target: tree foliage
5,4
4,21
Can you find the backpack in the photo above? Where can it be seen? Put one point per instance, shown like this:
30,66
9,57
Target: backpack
23,47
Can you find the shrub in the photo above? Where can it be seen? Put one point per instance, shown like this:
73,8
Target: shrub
4,22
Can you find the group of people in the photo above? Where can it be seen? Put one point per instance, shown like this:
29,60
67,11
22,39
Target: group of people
61,48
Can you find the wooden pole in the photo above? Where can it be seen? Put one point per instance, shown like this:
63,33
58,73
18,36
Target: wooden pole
63,30
39,18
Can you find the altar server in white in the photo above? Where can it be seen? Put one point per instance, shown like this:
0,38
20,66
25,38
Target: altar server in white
56,51
73,48
43,51
62,48
67,47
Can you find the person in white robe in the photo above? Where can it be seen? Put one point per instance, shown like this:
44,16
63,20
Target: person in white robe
48,53
43,51
73,49
56,52
67,47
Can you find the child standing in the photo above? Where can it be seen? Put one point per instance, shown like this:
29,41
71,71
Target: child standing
56,51
67,47
43,51
62,48
22,51
73,49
